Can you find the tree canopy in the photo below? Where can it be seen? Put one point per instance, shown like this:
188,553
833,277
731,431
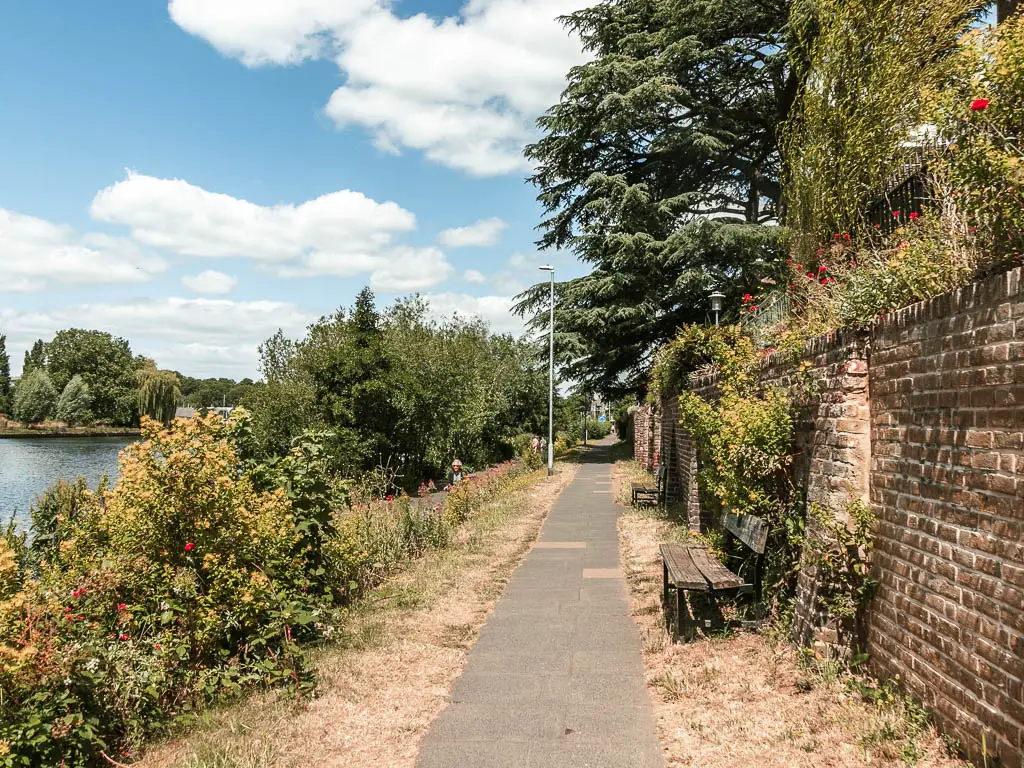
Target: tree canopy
5,376
34,397
73,405
398,388
660,168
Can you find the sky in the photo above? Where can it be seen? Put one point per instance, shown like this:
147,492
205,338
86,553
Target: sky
194,175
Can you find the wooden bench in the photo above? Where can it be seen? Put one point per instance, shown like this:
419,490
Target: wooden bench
651,494
690,568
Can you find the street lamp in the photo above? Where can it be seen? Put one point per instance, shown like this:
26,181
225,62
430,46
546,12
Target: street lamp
551,375
716,303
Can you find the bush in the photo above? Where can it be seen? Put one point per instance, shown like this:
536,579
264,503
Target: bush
182,585
73,404
34,397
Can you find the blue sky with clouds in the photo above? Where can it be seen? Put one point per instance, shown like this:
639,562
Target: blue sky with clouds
195,175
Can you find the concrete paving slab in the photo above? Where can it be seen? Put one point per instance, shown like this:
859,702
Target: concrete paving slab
556,678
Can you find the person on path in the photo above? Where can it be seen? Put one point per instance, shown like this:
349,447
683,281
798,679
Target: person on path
535,444
455,476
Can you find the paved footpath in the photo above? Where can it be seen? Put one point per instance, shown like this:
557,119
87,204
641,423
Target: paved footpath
556,679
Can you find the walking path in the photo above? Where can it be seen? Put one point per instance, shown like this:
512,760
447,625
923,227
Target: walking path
556,679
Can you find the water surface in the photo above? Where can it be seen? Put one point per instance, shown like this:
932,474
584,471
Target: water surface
29,465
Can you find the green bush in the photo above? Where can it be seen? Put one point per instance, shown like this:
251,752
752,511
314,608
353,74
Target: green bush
34,397
73,403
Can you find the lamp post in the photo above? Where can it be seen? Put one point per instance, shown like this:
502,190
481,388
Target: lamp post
716,303
551,375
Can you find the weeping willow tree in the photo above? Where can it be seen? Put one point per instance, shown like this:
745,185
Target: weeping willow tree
158,393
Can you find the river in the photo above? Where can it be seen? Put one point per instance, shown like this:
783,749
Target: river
28,466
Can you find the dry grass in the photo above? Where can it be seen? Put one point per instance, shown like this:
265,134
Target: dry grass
384,684
743,699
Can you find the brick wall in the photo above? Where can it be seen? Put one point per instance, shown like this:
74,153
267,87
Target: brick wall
947,482
924,417
832,452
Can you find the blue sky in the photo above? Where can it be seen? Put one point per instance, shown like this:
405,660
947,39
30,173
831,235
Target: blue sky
194,175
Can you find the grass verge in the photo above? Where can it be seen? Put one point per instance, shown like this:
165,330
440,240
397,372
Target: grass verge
385,680
740,699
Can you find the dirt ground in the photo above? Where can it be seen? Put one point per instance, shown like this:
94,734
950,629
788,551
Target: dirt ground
743,699
383,686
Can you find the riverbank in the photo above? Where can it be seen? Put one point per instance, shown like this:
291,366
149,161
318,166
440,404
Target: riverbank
383,681
14,433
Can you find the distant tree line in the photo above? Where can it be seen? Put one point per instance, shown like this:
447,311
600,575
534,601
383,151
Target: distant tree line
84,376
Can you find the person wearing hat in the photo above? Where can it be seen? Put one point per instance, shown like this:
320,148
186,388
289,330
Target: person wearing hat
456,475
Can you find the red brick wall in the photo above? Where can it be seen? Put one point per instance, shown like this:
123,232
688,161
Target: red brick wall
947,482
923,416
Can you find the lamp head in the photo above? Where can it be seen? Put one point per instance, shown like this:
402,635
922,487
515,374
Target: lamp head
547,268
716,301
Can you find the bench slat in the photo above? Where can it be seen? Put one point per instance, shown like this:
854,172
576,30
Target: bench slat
712,569
752,531
681,569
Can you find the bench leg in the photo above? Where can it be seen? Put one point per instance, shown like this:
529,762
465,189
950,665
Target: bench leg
684,624
664,598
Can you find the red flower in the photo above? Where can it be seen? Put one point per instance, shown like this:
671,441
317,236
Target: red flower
792,287
914,216
124,636
789,261
390,497
822,268
799,266
810,275
122,607
747,298
979,105
878,226
895,214
189,547
846,236
824,281
753,308
156,646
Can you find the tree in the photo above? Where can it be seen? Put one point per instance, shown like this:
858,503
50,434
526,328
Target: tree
158,393
34,357
73,404
660,168
5,376
34,397
106,365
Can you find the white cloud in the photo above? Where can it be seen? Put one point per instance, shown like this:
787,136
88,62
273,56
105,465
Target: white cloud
36,254
177,216
464,90
473,276
484,233
195,336
496,310
266,31
210,282
411,269
342,234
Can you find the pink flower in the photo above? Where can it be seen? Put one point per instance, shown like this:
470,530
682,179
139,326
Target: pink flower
979,105
189,547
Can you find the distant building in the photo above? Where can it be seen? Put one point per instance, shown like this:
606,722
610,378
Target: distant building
188,413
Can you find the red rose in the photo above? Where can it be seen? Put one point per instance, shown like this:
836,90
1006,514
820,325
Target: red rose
799,266
753,308
979,105
189,547
824,281
390,497
915,216
122,607
895,214
747,298
822,268
810,275
124,636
